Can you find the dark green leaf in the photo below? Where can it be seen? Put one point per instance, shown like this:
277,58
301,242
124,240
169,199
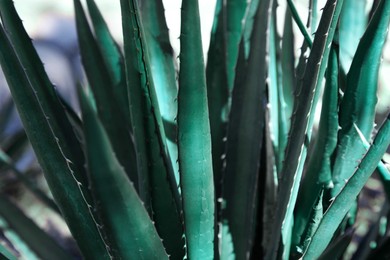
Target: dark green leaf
358,104
245,136
162,69
194,139
129,230
158,187
55,145
318,175
104,83
345,199
301,123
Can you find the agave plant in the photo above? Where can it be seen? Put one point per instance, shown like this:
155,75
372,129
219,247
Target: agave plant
223,160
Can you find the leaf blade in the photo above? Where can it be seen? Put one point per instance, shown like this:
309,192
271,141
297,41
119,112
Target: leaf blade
194,139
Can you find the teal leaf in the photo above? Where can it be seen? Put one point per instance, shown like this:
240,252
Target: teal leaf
194,139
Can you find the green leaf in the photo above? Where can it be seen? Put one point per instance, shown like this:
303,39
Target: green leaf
44,90
268,189
384,173
113,58
300,23
218,93
104,84
249,20
129,230
29,232
55,145
194,139
336,249
313,6
162,70
273,88
159,188
353,22
345,199
288,73
301,123
315,217
318,175
235,14
358,104
245,136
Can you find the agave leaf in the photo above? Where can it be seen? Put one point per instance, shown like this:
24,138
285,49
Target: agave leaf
159,188
249,20
235,14
74,119
217,86
245,136
218,105
375,4
44,90
55,145
299,22
358,104
300,131
276,90
194,139
336,249
162,70
353,22
29,232
384,173
318,175
345,199
273,87
6,160
313,9
129,230
315,217
268,192
113,58
288,75
227,245
104,83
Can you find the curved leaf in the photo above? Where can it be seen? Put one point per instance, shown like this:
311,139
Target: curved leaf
129,230
104,84
57,154
345,199
358,104
318,175
158,187
300,131
162,70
